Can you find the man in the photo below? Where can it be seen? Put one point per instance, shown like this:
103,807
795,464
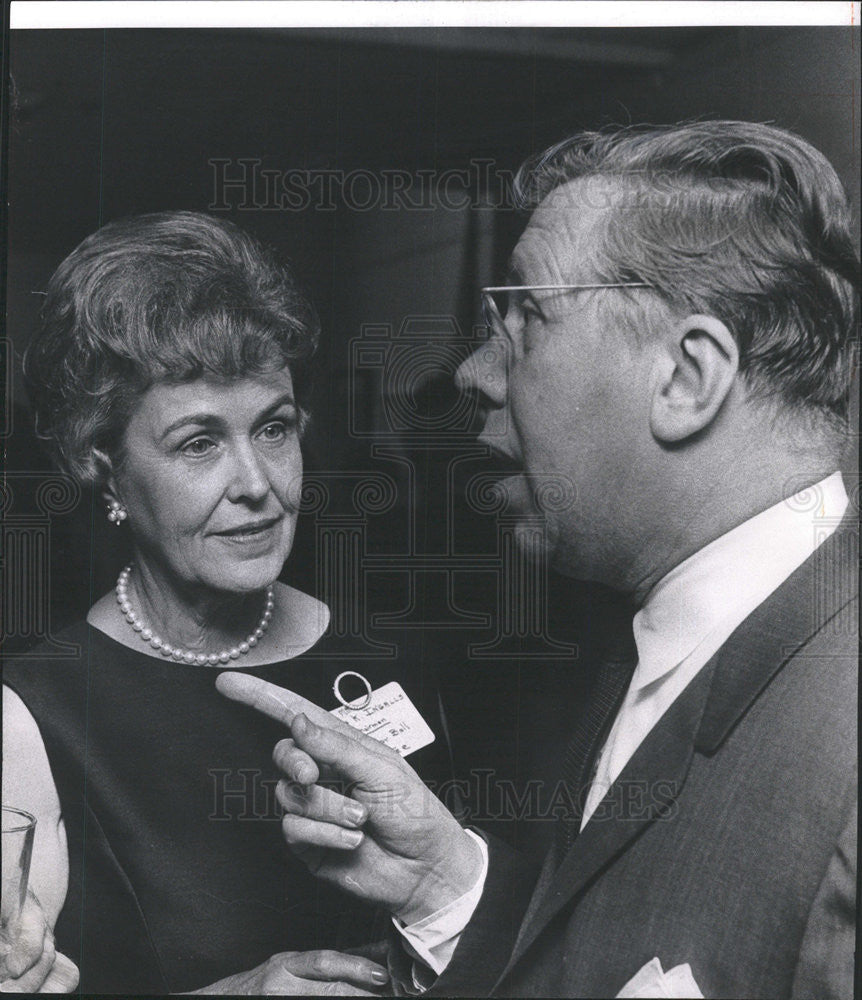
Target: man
677,346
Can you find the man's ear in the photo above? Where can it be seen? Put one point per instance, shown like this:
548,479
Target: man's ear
693,375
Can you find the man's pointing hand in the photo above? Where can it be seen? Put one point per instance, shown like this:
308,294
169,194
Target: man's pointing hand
356,813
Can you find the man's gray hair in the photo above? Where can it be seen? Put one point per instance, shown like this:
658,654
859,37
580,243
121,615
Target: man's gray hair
743,221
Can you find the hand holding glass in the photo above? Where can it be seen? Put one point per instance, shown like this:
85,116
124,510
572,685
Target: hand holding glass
18,830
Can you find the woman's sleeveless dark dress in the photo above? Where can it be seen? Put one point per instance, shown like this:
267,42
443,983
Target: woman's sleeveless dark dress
179,875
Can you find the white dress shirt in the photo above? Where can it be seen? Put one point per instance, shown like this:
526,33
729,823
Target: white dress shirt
685,619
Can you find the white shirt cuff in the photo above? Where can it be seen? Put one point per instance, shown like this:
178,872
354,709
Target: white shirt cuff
433,939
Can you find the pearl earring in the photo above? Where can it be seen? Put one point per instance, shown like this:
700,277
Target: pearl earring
117,512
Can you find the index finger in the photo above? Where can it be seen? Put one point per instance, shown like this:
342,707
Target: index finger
278,703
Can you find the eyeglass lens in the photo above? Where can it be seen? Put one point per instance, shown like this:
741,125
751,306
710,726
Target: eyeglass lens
496,307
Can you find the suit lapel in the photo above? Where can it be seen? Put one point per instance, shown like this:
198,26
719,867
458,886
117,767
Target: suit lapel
775,630
700,719
544,887
643,793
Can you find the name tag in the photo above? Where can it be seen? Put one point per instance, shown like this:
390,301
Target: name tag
389,716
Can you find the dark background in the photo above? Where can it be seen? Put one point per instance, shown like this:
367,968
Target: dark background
108,123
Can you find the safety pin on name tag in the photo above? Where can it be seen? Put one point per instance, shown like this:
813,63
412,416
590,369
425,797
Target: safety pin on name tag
386,714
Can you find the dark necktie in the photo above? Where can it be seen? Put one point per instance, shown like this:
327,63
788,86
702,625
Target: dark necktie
614,675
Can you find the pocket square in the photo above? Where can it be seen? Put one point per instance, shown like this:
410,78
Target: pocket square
653,982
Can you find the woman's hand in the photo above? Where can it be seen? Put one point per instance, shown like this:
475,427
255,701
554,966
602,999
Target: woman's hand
388,839
306,974
31,962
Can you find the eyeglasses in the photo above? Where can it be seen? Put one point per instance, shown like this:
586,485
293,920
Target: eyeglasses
497,299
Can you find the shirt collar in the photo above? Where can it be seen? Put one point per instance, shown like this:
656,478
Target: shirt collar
720,585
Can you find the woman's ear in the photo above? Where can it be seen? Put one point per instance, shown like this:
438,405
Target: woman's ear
105,475
117,512
694,373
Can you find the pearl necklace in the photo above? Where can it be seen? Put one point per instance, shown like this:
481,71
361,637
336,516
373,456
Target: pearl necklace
186,655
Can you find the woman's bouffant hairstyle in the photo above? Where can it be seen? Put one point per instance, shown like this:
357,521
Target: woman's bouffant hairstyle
172,296
742,221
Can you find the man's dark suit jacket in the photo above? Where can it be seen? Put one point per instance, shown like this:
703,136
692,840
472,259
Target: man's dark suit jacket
728,842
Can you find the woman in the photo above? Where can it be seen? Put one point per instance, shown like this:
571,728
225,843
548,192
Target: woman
171,371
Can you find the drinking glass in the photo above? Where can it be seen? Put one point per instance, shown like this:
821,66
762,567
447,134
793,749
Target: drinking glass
18,830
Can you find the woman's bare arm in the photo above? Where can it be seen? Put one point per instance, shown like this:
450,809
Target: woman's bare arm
28,784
